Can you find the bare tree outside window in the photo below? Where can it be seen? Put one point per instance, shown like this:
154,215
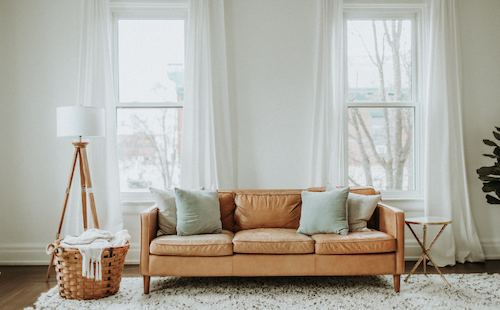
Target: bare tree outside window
148,146
381,143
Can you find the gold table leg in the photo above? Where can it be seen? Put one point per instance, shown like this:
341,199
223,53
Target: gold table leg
426,252
425,237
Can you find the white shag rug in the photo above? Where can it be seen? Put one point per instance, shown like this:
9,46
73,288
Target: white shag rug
468,291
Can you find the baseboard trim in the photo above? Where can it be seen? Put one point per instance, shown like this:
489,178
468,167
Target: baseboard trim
34,253
491,249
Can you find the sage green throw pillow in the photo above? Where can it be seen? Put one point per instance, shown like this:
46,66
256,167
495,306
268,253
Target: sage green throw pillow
167,215
324,212
198,212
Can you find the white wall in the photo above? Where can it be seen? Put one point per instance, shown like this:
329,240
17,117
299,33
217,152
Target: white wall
480,41
38,74
271,58
270,63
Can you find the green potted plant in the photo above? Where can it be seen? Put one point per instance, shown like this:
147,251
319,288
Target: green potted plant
491,175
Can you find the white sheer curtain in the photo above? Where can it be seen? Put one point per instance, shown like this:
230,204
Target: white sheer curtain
206,135
327,166
446,192
95,88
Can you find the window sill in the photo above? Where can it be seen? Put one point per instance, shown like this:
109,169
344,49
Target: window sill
135,203
407,204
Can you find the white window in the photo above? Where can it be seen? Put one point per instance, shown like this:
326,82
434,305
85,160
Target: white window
383,99
149,79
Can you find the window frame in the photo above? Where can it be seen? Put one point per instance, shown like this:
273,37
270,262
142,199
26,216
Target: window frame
415,12
143,11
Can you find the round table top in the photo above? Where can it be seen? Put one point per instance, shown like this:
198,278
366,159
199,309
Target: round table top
428,220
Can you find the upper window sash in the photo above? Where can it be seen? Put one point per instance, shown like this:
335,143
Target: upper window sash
414,10
152,10
415,69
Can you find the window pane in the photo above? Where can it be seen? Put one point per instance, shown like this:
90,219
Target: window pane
151,60
379,54
381,148
149,141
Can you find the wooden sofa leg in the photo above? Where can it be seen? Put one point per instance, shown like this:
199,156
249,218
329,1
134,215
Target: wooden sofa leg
146,284
397,282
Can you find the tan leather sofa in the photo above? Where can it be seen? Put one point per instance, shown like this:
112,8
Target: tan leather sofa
259,239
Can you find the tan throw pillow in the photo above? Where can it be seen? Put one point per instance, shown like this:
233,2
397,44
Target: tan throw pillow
360,209
167,211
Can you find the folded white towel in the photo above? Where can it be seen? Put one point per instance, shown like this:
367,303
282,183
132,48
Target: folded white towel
121,238
91,244
88,237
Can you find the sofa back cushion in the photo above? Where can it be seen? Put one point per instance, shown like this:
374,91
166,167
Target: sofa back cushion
226,199
267,209
356,190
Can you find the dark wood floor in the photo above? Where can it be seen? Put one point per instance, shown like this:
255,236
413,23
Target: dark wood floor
20,286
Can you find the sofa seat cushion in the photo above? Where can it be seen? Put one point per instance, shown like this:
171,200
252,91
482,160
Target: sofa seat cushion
194,245
272,241
354,243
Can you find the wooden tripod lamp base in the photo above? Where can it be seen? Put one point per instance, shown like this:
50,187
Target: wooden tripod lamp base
78,122
86,185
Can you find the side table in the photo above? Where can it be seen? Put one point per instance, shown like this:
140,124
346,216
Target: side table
427,220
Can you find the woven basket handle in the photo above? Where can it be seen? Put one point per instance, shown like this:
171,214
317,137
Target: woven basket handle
51,248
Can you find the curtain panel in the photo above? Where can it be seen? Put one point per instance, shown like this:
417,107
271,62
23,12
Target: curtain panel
328,141
446,192
206,157
95,88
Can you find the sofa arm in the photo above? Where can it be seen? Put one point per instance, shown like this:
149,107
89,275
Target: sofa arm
392,221
149,227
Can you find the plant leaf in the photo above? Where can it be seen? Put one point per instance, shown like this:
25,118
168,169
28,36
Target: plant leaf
489,142
497,191
497,135
497,128
491,156
488,178
491,186
492,200
488,171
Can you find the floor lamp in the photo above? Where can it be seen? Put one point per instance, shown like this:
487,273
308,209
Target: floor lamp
79,122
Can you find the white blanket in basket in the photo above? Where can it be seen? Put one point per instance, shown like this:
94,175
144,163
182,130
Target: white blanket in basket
91,244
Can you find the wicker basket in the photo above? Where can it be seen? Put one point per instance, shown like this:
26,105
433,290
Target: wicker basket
71,283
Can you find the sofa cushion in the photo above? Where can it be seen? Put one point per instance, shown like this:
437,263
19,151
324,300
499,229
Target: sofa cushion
324,213
360,209
195,245
272,241
226,200
367,190
167,215
365,242
198,212
267,209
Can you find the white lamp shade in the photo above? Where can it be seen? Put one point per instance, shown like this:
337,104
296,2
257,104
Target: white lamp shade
80,121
